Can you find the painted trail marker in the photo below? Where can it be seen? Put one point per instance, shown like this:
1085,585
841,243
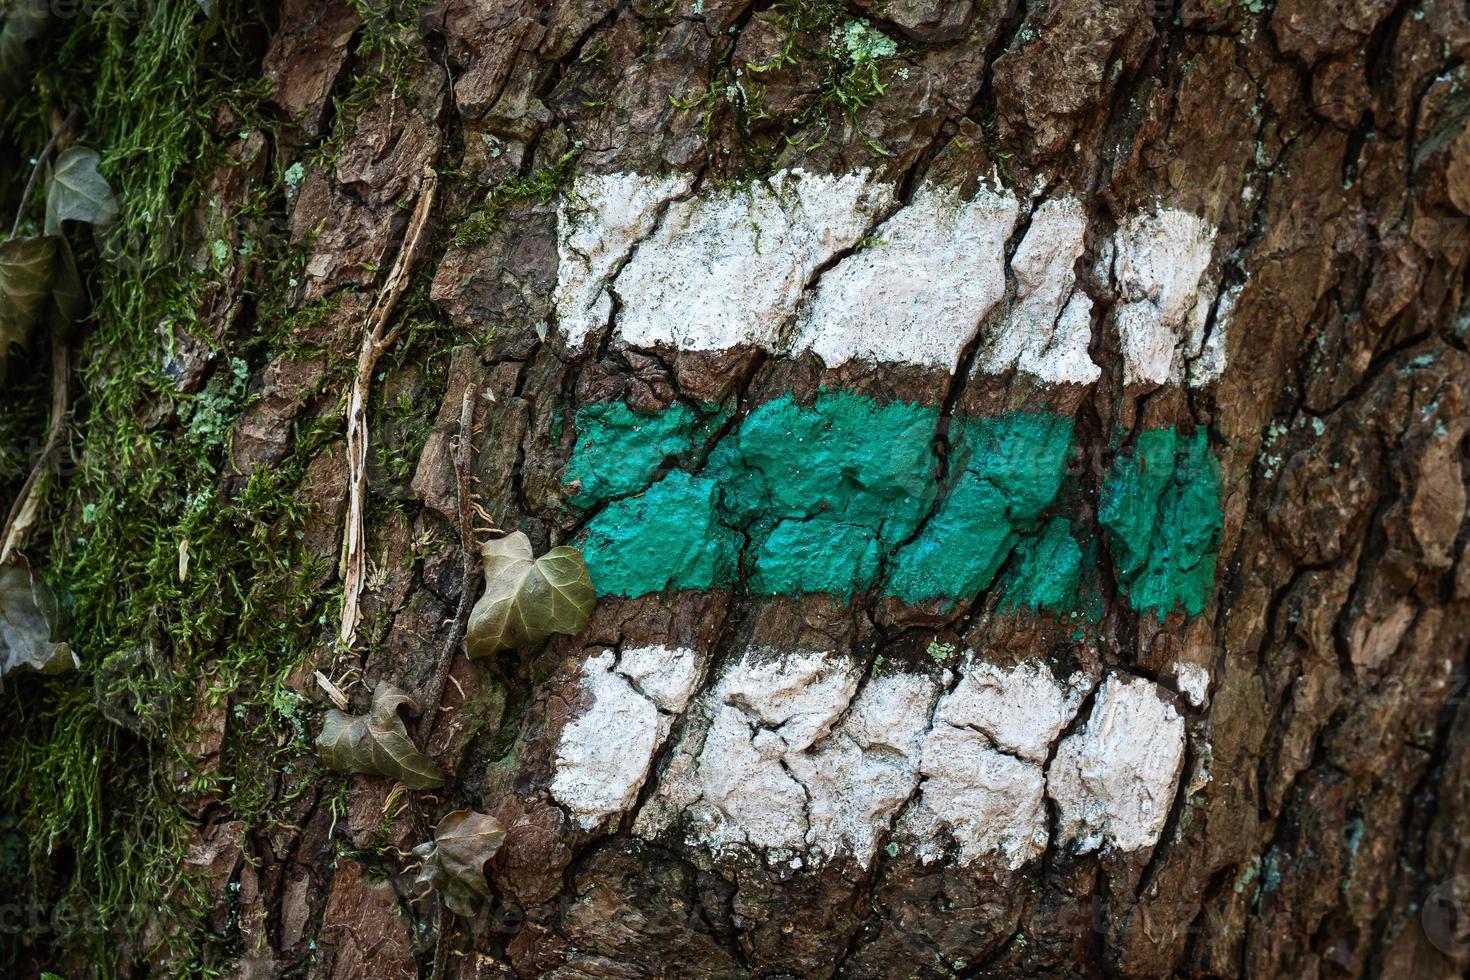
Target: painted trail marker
833,265
788,755
796,755
843,496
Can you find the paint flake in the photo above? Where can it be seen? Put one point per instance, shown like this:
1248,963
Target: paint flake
1021,709
984,800
599,222
603,756
1158,262
1048,327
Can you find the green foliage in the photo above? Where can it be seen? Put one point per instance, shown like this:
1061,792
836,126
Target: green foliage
527,599
25,283
851,55
77,191
377,743
96,772
541,187
24,25
850,52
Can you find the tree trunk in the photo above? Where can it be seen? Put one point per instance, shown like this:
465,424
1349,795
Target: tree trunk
1020,453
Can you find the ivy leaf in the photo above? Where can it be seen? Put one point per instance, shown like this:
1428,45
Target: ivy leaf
26,267
377,743
77,191
454,861
24,24
28,618
527,598
69,299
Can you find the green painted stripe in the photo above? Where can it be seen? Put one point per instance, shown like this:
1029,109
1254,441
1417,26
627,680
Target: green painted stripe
1160,510
844,495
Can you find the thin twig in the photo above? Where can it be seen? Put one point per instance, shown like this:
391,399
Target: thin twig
469,566
25,197
441,944
22,512
376,339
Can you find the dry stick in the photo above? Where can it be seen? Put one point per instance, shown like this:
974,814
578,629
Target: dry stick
22,512
470,568
25,197
469,579
441,947
375,340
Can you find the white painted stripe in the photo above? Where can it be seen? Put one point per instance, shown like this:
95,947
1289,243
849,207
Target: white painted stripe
598,224
730,266
603,756
1048,327
1114,780
1157,261
791,756
919,289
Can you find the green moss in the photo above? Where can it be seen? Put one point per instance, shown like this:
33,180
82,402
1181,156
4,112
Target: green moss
100,806
851,56
476,227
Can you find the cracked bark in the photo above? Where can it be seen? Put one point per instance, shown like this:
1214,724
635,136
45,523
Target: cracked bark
1338,788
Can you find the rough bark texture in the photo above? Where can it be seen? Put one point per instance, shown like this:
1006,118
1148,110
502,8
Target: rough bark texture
1317,822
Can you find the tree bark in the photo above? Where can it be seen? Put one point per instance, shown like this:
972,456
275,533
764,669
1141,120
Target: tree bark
1180,286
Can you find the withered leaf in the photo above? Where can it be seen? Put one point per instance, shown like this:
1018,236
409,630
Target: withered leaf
528,598
377,743
24,26
454,861
26,266
69,299
28,618
77,191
